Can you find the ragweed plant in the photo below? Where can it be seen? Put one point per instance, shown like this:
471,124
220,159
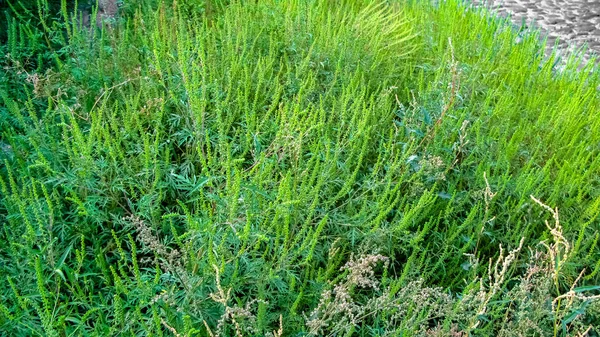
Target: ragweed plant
235,168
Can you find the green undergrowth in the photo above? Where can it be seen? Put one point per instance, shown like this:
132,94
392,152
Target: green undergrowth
292,168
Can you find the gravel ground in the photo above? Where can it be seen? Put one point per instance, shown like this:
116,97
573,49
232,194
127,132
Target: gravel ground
570,23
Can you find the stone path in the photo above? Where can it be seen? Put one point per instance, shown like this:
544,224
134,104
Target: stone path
573,23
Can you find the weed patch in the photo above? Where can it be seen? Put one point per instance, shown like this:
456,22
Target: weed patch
291,168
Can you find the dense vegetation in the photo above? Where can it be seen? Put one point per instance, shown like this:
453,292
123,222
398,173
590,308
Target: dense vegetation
292,168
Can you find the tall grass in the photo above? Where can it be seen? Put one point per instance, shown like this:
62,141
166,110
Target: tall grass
296,167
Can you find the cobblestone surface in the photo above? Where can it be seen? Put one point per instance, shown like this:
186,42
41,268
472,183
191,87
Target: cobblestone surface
573,23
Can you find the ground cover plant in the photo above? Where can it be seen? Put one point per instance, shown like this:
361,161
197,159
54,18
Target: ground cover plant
295,168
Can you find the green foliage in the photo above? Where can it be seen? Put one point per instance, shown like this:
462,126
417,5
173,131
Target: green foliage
227,168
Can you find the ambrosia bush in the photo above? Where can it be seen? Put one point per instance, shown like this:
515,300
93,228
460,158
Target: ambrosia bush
287,168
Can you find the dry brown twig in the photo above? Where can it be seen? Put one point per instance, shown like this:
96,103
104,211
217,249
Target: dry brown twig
170,328
496,276
571,295
559,252
560,249
461,144
233,314
279,333
454,87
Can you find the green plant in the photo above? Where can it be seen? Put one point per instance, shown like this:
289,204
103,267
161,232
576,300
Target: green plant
231,170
